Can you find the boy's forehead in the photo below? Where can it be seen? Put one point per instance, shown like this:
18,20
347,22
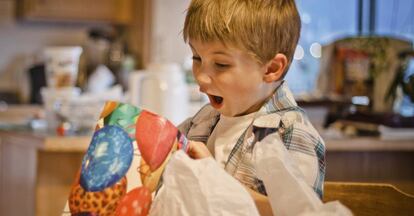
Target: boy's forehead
211,43
217,47
214,45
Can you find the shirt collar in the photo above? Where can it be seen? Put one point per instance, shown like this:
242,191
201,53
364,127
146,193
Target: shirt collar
268,115
282,99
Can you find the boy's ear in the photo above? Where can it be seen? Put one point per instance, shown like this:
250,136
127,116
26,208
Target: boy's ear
275,68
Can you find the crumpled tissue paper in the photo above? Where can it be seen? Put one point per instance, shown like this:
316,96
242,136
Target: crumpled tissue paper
286,188
200,187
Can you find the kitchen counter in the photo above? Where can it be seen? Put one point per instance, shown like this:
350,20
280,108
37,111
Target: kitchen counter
18,115
37,168
367,144
37,171
49,143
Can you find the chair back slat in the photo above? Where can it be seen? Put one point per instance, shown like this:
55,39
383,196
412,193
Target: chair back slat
370,198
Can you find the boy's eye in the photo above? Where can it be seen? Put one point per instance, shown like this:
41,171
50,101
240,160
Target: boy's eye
220,65
196,58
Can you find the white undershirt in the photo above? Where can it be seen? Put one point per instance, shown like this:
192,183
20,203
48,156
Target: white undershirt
225,135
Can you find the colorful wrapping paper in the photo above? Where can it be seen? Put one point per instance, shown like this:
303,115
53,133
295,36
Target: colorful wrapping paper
103,184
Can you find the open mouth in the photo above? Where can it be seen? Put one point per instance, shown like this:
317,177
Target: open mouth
216,101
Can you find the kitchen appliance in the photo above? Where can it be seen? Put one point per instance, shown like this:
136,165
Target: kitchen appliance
162,89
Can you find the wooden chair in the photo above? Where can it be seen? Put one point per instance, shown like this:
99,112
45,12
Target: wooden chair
370,198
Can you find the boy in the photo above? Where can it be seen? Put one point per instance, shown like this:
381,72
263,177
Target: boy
242,50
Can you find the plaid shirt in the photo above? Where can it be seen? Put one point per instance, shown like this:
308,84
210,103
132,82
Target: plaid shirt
281,115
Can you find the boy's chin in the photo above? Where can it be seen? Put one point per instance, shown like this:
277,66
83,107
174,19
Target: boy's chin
222,111
216,105
227,113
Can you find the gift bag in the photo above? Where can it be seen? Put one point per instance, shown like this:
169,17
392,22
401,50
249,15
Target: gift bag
124,162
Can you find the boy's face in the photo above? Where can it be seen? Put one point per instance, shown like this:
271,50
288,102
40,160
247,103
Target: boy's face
231,78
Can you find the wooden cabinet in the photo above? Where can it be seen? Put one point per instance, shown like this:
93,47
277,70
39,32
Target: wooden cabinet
112,11
369,159
37,171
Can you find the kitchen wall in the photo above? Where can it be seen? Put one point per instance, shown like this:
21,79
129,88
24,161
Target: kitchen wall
168,21
20,41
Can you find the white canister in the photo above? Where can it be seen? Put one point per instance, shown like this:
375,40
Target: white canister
62,65
161,89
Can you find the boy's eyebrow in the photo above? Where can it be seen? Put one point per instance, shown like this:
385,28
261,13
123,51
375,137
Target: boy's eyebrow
221,52
216,52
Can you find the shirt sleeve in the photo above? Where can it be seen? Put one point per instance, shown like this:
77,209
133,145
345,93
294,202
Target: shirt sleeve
307,150
184,127
286,177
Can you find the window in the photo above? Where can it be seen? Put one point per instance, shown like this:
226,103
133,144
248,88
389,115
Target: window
324,21
395,18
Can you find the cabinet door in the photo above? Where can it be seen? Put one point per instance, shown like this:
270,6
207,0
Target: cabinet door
114,11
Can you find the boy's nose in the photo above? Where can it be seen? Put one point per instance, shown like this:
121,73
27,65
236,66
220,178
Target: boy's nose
202,78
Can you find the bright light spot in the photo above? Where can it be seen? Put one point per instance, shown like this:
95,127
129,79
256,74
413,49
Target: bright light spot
360,100
135,204
306,18
299,53
115,167
316,50
101,150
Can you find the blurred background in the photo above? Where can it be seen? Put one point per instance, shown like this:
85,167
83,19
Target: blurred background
353,73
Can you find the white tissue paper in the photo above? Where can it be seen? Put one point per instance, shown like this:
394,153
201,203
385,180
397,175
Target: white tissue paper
200,187
286,188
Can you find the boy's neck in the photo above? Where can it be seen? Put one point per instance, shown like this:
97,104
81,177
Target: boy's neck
257,106
278,84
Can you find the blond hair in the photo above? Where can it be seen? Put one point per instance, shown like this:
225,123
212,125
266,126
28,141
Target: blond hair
261,27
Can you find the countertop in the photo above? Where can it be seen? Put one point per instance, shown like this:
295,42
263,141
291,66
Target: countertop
16,115
14,126
50,142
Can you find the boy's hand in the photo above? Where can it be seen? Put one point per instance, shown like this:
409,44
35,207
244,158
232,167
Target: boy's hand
262,202
198,150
